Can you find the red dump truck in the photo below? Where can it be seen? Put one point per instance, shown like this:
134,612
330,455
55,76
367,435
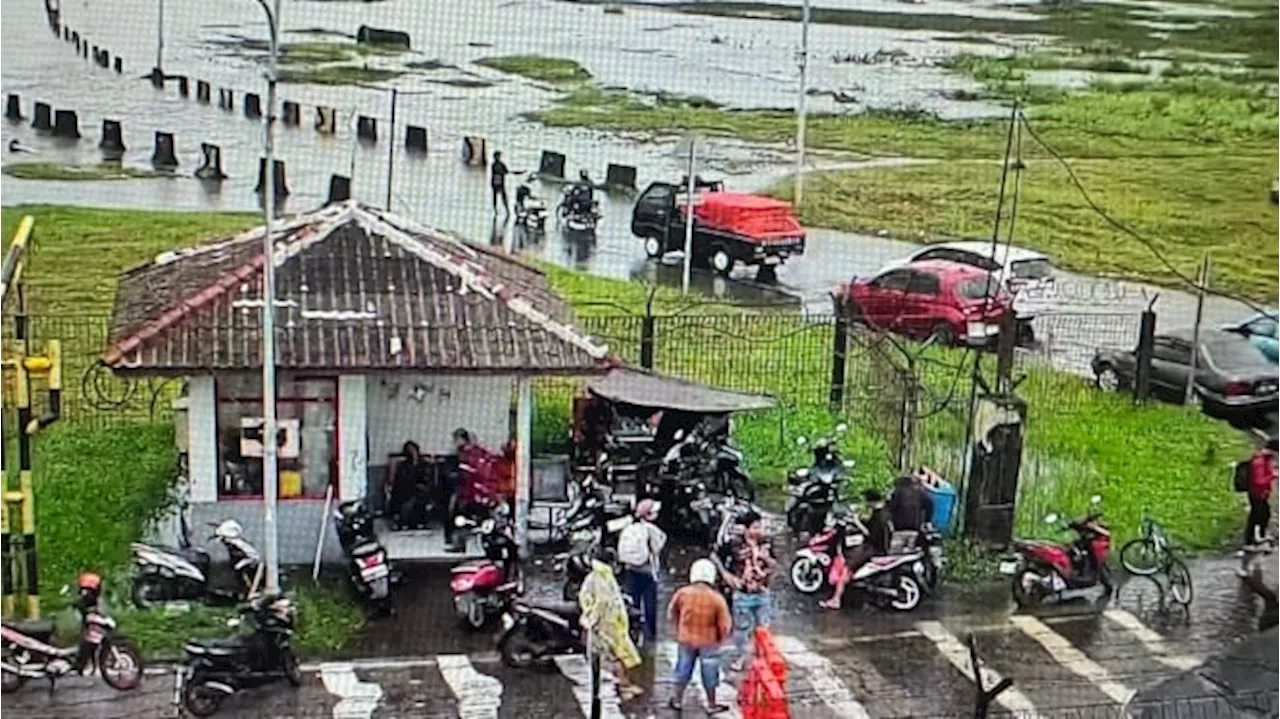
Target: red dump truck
728,227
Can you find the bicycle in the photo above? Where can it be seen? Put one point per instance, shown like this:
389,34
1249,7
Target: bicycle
1152,553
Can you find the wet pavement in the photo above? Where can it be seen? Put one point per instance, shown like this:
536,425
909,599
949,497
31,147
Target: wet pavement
1078,660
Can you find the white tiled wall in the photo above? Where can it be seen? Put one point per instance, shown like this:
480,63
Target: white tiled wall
481,404
202,439
353,448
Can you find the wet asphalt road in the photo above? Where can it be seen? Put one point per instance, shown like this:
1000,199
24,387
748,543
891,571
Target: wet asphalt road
857,663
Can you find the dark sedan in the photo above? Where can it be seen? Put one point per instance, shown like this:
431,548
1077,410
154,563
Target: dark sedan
1233,380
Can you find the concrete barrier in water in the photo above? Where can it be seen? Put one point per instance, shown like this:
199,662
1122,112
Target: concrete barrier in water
184,86
210,163
282,185
339,189
13,107
75,39
203,92
367,128
415,138
326,120
622,177
226,99
119,65
112,143
252,106
43,119
475,152
157,78
66,125
165,155
551,165
379,36
290,113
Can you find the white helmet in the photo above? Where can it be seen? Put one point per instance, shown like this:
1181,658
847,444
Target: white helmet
229,529
703,570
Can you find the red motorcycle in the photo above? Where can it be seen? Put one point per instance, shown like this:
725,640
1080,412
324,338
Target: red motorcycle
1044,571
485,588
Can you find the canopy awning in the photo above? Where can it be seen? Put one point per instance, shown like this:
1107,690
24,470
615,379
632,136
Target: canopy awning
648,389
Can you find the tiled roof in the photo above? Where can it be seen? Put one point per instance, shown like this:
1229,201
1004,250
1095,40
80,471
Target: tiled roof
356,288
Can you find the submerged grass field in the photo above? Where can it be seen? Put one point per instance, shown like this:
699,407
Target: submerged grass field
71,173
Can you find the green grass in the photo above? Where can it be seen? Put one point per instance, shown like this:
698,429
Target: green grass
61,282
1186,206
312,53
338,75
537,67
97,491
82,173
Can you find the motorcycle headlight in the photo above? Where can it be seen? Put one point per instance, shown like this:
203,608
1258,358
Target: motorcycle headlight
802,472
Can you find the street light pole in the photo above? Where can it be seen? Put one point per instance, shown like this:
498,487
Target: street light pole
688,220
270,446
391,147
802,105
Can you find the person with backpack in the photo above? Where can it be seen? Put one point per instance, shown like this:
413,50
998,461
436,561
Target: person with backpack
639,549
1261,476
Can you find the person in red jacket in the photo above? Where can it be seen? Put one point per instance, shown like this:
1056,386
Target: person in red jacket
1262,477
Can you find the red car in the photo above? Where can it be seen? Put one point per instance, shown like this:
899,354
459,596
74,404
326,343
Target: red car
932,297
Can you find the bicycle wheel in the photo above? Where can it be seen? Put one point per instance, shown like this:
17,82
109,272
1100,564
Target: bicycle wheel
1141,557
1179,582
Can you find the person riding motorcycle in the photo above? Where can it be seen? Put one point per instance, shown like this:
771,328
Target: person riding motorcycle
582,196
909,504
879,535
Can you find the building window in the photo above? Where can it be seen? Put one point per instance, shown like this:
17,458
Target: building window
307,411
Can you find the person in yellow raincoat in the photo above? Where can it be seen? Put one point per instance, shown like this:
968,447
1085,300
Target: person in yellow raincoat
604,614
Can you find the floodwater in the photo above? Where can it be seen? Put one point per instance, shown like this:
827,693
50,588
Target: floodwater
732,60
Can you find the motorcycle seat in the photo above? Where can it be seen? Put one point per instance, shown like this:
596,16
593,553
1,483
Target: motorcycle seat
39,629
196,556
568,610
220,647
470,567
365,549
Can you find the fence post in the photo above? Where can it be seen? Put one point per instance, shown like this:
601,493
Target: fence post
1146,343
1005,344
646,334
839,353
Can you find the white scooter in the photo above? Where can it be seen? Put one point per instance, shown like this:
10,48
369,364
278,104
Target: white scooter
531,210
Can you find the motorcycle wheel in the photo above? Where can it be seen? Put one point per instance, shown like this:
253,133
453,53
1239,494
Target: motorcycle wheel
289,664
120,664
145,593
908,596
1022,595
518,650
10,682
202,700
470,611
807,575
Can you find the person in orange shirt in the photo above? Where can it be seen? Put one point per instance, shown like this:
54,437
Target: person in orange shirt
702,621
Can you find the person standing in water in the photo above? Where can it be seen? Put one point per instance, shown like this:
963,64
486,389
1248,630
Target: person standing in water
498,180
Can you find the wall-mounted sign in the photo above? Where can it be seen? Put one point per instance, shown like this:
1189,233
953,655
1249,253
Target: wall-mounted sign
286,437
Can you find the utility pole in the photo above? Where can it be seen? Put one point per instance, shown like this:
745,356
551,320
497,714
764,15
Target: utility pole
688,220
391,146
802,105
270,431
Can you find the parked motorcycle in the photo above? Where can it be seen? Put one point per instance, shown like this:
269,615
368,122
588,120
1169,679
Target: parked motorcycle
368,569
895,580
1045,571
26,651
218,668
486,587
535,631
164,574
576,212
815,490
531,211
726,474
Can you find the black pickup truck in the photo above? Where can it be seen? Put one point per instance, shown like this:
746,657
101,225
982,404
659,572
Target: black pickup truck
728,227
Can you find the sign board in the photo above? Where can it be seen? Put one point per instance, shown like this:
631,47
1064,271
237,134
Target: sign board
286,437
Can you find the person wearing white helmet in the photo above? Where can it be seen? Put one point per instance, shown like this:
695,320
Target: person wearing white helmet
639,550
702,621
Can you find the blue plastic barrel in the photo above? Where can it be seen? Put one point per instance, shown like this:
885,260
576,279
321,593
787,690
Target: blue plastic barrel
944,502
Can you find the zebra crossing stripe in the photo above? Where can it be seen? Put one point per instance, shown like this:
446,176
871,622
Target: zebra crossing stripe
577,670
1065,653
958,654
726,693
1154,643
357,699
479,695
822,677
